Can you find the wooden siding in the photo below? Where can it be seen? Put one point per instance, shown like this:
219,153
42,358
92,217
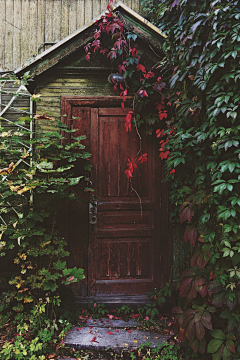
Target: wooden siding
29,27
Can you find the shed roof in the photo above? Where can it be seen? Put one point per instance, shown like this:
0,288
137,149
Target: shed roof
79,38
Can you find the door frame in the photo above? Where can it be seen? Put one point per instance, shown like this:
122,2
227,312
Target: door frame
111,101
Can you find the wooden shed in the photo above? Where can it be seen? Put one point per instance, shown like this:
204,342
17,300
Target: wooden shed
124,248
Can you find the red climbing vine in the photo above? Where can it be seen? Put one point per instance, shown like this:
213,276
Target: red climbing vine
112,39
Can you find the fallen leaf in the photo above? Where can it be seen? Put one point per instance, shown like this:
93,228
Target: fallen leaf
117,330
90,327
125,344
94,339
135,341
146,337
78,328
110,333
51,356
129,331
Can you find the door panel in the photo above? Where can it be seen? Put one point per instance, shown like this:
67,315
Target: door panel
123,237
128,247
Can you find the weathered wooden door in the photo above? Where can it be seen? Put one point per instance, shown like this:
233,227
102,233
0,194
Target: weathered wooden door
129,250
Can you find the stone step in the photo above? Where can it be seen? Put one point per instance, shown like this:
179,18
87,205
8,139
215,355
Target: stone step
115,335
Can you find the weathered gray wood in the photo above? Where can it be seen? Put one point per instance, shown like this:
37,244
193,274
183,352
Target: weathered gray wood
65,19
25,32
72,16
40,24
32,27
88,10
17,33
57,14
49,23
2,35
27,24
9,34
80,13
96,8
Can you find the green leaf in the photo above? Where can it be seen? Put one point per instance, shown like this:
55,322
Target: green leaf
214,345
218,334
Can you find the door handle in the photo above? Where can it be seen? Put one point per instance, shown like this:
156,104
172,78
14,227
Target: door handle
93,211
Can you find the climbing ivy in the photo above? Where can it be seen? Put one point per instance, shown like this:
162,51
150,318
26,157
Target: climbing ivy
202,64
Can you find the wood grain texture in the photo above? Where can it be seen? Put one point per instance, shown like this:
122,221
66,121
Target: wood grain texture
2,34
42,21
40,24
72,16
57,18
88,6
9,31
48,23
25,32
17,34
65,19
32,27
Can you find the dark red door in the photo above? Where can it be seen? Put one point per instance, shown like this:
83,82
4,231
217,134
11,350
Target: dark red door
128,251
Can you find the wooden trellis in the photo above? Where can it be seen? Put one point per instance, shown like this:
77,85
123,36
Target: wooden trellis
14,103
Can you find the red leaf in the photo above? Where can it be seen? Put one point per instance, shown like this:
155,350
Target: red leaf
206,324
164,154
200,331
201,262
94,339
141,67
159,133
142,158
185,286
116,330
186,214
202,346
122,105
230,346
194,345
190,331
110,333
191,235
90,327
192,293
177,310
129,331
182,334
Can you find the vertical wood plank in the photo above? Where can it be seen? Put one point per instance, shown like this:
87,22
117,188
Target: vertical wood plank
57,17
41,24
48,22
128,3
32,27
2,33
104,4
9,34
96,8
88,11
64,28
135,5
72,16
80,13
25,31
17,34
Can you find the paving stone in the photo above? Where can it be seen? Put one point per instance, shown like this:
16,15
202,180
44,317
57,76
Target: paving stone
117,337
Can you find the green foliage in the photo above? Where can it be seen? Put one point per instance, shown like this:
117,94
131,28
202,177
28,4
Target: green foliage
202,65
37,177
97,311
